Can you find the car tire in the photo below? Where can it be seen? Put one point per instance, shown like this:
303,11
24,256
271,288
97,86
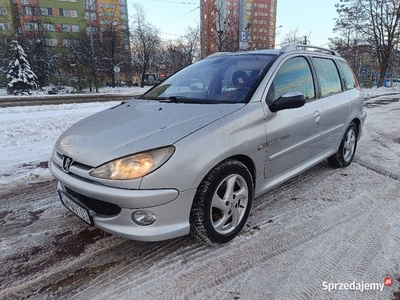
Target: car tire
344,156
222,203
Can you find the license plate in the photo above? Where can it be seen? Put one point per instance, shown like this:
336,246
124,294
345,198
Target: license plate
77,209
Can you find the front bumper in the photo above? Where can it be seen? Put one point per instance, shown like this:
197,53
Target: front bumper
112,208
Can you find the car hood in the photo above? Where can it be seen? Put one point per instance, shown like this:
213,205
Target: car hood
136,126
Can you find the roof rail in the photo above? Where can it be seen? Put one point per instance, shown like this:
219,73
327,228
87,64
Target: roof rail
295,47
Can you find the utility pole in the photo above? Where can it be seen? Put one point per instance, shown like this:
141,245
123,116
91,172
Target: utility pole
94,71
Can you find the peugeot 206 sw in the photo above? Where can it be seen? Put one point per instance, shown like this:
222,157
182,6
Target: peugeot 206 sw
191,154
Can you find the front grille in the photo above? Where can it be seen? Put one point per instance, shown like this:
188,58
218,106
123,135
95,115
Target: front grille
100,207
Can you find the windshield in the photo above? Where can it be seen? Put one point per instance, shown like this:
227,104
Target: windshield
226,78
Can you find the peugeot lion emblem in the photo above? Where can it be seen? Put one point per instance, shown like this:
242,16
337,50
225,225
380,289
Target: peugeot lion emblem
67,162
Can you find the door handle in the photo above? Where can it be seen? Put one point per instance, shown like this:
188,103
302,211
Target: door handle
317,116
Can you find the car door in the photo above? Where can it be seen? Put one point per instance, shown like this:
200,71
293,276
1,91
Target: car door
335,101
293,135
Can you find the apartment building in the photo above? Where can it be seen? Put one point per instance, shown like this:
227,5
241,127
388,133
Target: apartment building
62,22
231,25
58,18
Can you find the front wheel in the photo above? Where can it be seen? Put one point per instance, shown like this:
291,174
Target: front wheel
222,203
347,148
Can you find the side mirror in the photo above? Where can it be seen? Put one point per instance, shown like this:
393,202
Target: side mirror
287,101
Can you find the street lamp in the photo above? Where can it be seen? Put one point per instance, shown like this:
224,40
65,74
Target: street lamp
274,36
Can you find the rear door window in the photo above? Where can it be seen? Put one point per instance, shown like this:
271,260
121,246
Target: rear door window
328,76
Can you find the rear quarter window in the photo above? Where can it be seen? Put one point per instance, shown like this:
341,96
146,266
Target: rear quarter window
350,81
328,76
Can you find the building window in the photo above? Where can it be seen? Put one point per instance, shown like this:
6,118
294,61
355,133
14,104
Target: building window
90,16
75,28
91,30
49,27
108,14
108,22
51,42
73,13
65,27
66,42
3,11
89,4
63,12
31,26
107,5
27,10
25,1
46,11
4,26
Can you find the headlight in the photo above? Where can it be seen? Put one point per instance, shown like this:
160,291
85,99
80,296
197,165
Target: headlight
134,166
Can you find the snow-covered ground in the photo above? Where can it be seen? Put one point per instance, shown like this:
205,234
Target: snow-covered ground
326,226
27,134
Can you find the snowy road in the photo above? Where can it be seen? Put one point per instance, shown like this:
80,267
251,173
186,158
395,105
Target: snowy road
324,226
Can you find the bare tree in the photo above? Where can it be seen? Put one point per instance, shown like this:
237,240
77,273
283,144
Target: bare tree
223,30
44,60
77,60
291,38
183,51
112,46
375,22
360,56
145,42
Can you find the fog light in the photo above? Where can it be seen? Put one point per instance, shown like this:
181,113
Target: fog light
143,217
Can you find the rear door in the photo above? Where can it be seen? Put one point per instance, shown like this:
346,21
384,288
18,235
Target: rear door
293,135
335,101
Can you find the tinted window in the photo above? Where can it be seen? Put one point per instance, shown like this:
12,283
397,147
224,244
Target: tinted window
328,76
294,76
350,81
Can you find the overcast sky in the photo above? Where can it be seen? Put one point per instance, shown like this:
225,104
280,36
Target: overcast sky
314,18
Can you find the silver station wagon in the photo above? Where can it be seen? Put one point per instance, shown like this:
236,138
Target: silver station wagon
191,154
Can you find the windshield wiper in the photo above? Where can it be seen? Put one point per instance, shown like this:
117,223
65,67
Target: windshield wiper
174,99
178,99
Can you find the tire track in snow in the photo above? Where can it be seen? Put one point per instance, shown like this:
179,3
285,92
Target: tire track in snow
373,165
195,252
190,283
334,267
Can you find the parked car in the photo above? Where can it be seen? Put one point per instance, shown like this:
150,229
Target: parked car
391,82
192,153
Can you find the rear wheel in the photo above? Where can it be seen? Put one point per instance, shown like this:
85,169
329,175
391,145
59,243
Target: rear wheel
222,203
347,149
